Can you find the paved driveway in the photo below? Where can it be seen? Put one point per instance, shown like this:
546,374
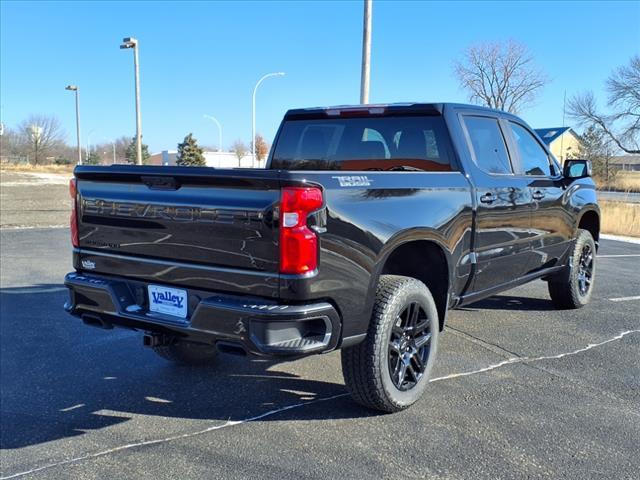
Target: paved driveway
521,391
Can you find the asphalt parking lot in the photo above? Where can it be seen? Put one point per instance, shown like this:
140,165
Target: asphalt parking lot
543,394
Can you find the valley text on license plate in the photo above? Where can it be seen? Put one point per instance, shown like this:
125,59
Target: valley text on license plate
170,301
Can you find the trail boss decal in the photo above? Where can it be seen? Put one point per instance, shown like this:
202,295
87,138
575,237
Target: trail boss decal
353,180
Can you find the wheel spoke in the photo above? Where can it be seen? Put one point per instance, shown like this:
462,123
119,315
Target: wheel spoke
423,340
414,311
394,346
414,374
396,369
402,372
421,327
418,361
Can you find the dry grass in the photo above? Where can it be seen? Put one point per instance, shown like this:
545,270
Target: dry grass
620,218
623,182
36,168
628,181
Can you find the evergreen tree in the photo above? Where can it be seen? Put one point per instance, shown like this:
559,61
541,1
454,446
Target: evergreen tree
189,153
92,159
596,147
131,154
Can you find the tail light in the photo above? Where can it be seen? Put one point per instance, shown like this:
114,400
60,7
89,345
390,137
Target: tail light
298,243
73,191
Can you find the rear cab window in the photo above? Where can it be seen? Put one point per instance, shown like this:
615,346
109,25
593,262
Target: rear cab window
395,143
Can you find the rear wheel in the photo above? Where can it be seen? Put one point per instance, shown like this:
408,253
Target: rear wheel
187,353
573,288
390,369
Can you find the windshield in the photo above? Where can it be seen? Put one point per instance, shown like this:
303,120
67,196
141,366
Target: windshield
402,143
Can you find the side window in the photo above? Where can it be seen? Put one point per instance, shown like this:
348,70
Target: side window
533,157
371,135
490,151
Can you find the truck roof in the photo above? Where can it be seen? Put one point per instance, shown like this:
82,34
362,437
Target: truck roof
380,108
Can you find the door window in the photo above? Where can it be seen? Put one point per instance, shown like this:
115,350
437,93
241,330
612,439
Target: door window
533,157
489,149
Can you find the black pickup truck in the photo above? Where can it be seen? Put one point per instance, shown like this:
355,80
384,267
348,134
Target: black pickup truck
367,225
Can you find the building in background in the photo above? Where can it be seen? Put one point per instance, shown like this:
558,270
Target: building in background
213,159
165,157
627,163
562,141
226,160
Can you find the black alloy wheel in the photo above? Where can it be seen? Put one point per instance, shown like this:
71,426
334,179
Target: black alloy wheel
585,269
409,347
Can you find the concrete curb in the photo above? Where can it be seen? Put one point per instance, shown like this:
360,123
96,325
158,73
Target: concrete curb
620,238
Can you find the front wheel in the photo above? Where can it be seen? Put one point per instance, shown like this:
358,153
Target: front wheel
390,369
573,287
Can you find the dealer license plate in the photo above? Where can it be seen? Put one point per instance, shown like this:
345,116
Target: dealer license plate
169,301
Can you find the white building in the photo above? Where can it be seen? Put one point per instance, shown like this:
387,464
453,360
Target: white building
213,159
227,160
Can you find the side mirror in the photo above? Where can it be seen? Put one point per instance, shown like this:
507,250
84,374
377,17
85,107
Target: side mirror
574,169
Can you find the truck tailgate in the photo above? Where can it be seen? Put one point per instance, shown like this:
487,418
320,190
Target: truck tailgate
192,217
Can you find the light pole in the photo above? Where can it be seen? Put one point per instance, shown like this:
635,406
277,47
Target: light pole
130,42
75,88
253,116
366,53
214,119
89,143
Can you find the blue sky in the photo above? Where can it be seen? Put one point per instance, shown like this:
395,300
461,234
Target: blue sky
205,57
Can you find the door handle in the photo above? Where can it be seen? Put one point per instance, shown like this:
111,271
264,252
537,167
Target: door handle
487,198
538,195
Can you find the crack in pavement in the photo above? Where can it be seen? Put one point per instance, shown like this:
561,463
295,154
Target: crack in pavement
231,423
492,347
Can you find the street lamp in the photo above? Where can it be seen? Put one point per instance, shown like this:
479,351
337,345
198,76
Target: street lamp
130,42
89,142
75,88
253,124
213,119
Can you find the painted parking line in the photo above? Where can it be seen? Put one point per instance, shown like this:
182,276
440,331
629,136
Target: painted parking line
32,227
616,256
232,423
625,299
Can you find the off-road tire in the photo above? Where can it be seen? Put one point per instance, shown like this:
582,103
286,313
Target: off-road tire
564,288
187,353
366,367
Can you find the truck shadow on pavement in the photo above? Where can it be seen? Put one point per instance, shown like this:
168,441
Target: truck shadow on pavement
60,379
508,302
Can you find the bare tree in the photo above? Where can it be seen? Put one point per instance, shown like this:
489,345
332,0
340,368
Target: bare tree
622,124
42,134
11,145
122,145
240,149
500,75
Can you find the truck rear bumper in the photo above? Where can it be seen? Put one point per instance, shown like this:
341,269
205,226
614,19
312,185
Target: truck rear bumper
258,326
